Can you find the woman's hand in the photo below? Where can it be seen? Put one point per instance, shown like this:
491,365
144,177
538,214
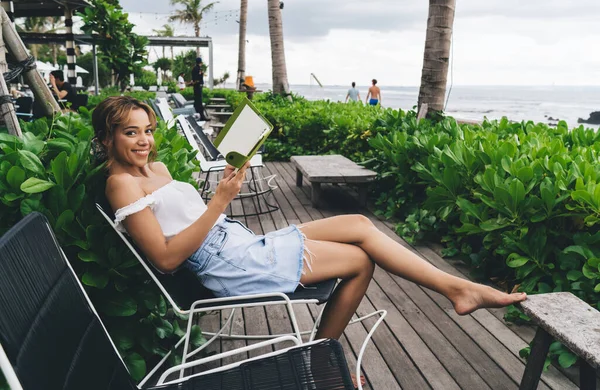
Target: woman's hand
228,170
231,184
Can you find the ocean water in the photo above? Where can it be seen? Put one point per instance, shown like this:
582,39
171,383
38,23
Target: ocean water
494,102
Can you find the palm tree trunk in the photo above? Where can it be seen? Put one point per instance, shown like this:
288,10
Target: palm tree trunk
163,52
437,53
242,45
280,81
54,53
171,53
197,32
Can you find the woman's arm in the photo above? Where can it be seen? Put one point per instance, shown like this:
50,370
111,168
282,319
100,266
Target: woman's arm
145,230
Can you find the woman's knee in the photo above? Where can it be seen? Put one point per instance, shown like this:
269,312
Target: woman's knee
364,265
362,221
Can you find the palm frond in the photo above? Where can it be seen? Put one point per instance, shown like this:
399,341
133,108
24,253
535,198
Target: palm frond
208,8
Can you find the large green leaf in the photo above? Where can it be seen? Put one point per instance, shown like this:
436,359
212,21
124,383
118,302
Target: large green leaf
566,359
15,177
196,336
515,260
117,305
95,278
10,139
60,145
33,185
65,218
163,328
136,365
31,162
60,170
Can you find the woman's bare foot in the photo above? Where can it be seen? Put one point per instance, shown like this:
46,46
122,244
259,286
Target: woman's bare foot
363,381
478,296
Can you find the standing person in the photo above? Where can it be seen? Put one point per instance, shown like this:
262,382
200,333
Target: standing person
181,81
353,93
61,89
198,82
374,94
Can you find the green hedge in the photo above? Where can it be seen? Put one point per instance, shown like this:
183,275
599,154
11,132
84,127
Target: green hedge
94,100
50,170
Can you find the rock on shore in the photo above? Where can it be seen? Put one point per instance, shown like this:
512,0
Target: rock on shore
594,119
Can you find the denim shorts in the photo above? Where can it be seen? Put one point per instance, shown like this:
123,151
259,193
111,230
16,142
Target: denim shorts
234,261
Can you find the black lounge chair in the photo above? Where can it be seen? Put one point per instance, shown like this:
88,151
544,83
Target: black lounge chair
51,337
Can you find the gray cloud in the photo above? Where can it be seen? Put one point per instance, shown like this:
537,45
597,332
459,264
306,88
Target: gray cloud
314,19
531,9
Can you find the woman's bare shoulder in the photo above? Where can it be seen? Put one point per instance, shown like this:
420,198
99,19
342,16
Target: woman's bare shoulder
122,189
120,180
160,169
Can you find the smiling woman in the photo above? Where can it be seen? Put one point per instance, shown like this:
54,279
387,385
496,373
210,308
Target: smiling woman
175,229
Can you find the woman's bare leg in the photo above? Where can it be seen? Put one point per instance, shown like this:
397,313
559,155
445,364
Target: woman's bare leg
353,266
466,296
347,262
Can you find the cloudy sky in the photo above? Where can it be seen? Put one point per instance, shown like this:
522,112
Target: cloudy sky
496,42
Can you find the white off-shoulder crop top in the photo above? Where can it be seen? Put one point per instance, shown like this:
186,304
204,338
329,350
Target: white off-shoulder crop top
175,205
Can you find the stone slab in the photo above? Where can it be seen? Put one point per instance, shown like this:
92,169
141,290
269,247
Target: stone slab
569,320
332,169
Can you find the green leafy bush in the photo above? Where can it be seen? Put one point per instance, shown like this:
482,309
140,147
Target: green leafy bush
50,170
145,79
304,127
94,100
519,202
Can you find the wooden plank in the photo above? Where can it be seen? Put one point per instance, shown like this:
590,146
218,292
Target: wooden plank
493,375
428,364
457,365
398,361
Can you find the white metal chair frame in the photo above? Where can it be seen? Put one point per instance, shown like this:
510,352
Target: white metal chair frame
166,113
14,384
229,303
257,184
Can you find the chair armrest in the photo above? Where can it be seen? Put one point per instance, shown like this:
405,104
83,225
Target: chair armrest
223,355
320,363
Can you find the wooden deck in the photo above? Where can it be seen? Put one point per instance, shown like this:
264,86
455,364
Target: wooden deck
422,344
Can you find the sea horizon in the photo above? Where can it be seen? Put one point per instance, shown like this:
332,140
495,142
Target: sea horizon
539,103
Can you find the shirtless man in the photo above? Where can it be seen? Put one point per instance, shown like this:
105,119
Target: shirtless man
374,94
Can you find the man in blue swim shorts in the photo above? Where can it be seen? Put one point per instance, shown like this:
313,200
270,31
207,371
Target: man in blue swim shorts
374,94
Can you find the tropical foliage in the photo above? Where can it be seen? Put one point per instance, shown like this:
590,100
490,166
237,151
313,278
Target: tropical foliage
193,12
123,51
184,63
